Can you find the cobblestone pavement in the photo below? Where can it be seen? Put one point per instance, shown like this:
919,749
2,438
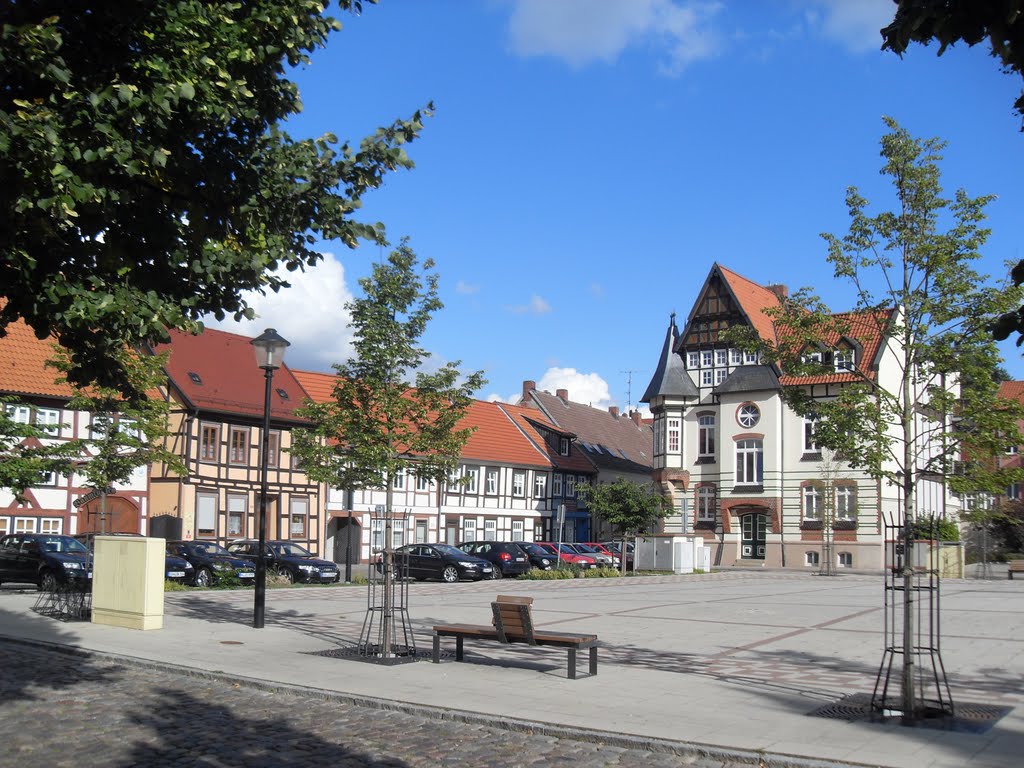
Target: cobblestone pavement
71,709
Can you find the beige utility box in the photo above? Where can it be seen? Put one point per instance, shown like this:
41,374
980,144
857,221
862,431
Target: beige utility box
128,582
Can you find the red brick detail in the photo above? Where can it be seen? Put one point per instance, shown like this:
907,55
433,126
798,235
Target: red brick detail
844,535
670,475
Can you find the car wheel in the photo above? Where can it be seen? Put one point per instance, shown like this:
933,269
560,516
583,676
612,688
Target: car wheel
203,577
287,575
47,581
450,574
496,572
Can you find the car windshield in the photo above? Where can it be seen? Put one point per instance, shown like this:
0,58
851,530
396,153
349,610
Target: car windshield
291,550
208,548
448,549
62,544
533,549
584,548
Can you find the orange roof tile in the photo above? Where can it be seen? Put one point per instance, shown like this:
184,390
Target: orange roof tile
530,420
754,299
1012,390
23,368
868,329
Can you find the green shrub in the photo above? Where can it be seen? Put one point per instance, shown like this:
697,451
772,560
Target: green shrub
536,574
600,573
930,527
174,586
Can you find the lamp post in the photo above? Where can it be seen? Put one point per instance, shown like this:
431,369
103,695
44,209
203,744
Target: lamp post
269,348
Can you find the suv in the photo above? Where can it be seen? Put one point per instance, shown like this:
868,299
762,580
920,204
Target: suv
287,558
45,560
212,562
507,557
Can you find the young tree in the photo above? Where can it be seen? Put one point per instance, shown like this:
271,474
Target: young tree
912,273
630,507
379,424
124,433
147,176
28,452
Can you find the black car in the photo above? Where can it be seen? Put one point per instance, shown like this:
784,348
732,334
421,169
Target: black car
539,557
293,562
507,557
212,562
45,560
439,561
176,568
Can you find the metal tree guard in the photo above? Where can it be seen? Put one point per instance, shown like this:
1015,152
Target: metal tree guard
386,636
911,605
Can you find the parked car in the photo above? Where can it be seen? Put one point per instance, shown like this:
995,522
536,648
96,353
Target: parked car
609,551
290,560
438,561
539,557
212,562
604,559
176,568
506,558
568,555
43,559
615,546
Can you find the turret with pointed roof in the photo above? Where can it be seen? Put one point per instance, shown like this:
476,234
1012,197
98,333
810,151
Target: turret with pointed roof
670,379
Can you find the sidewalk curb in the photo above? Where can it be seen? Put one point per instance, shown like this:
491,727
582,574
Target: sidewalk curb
695,750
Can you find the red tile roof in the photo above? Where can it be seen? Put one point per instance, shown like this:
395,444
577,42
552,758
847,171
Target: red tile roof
532,421
23,369
1012,390
754,299
229,381
319,386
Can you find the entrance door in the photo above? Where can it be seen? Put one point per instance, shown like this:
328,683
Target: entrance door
348,537
755,529
121,516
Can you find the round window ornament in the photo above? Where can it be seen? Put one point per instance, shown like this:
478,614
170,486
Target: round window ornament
748,415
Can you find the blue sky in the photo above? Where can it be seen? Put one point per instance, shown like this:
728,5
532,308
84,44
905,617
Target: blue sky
590,159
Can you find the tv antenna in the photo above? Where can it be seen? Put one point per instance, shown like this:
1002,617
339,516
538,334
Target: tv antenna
629,388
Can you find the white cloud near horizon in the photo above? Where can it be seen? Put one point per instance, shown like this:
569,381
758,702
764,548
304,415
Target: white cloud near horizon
854,24
582,32
536,306
310,314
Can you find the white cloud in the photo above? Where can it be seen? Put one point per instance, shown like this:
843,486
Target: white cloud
537,306
587,388
466,288
584,31
855,24
310,314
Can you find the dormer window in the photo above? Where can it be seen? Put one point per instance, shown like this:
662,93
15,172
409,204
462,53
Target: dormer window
195,377
282,394
563,446
843,359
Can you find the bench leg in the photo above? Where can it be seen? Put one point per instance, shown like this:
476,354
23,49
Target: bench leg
458,648
593,659
437,649
572,663
1010,575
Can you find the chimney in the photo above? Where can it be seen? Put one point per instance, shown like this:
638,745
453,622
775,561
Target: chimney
562,393
635,416
779,290
614,411
528,387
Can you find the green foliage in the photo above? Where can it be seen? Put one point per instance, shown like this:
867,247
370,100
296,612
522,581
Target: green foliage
931,527
914,281
378,425
555,574
174,586
27,453
999,23
600,573
630,507
147,176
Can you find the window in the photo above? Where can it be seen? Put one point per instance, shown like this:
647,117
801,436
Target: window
298,514
19,414
810,446
842,359
237,505
540,485
273,448
519,483
707,378
845,560
720,375
673,435
471,474
570,486
128,428
556,484
1013,491
422,484
469,529
563,446
398,479
490,530
25,524
518,530
376,535
239,443
51,525
421,531
706,436
5,526
735,357
48,419
748,415
706,503
812,558
209,437
48,478
812,356
846,502
1011,450
397,536
751,358
749,462
206,514
491,481
721,356
692,360
812,502
705,358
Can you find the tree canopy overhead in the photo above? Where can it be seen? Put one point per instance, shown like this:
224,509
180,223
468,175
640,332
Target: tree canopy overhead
147,179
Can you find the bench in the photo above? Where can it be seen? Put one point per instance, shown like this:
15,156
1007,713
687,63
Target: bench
1014,566
513,623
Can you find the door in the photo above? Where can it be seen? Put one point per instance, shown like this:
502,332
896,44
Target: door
754,531
348,537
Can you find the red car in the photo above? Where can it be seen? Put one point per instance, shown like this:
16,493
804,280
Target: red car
568,555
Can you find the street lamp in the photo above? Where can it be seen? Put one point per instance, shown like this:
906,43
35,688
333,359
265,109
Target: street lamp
269,348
